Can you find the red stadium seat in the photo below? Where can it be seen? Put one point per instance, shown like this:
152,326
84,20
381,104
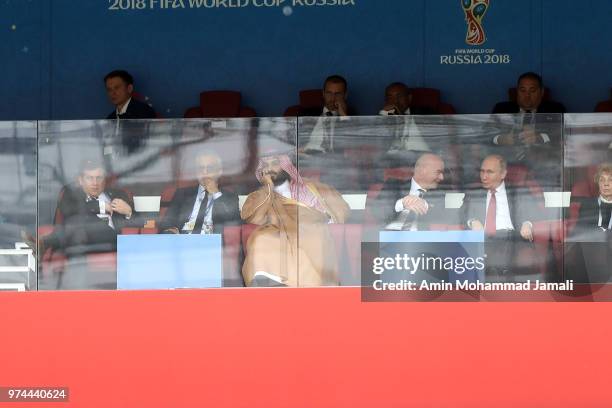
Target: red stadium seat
220,104
309,99
430,98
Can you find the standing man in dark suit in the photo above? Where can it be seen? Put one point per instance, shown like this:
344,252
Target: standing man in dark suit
412,206
504,214
204,208
92,214
119,88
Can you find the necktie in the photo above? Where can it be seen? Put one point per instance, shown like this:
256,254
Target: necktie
606,214
490,226
197,228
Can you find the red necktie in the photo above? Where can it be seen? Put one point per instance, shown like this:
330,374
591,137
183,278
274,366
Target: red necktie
490,226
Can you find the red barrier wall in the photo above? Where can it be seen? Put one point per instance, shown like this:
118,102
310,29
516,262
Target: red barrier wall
303,348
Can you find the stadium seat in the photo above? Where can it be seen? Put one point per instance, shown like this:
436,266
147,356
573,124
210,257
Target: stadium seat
430,98
220,104
310,99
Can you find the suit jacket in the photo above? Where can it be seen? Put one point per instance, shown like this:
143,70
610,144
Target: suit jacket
513,107
224,212
76,210
135,110
588,217
383,207
523,207
81,230
318,111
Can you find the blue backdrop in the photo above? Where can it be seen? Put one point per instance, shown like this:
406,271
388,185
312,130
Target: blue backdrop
54,53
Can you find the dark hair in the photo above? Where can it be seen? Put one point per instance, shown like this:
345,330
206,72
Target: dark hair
532,75
127,78
399,85
88,165
336,79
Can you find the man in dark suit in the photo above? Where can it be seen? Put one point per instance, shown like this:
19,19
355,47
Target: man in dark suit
204,208
92,214
119,88
405,142
505,215
588,251
322,137
529,94
596,213
398,100
535,136
415,205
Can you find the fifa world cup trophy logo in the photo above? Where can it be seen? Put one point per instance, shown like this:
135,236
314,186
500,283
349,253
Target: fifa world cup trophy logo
475,11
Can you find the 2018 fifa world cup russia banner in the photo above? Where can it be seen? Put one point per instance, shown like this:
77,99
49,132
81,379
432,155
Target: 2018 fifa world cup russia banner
167,5
462,266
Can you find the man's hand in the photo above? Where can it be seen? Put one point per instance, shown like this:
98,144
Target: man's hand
529,137
416,204
392,109
267,180
506,140
341,107
527,231
476,225
172,230
211,185
121,207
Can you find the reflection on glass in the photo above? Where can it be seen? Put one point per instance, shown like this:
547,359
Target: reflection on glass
587,246
268,209
18,207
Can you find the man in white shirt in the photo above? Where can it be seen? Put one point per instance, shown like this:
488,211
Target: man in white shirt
504,213
415,205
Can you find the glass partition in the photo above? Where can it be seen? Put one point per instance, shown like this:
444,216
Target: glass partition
310,201
148,204
18,209
587,247
460,202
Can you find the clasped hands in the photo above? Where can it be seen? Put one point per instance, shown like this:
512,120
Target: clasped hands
526,229
416,204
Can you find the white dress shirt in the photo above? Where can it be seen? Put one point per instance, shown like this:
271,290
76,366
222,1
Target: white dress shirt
104,199
503,221
189,225
410,137
323,129
404,212
544,136
123,108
